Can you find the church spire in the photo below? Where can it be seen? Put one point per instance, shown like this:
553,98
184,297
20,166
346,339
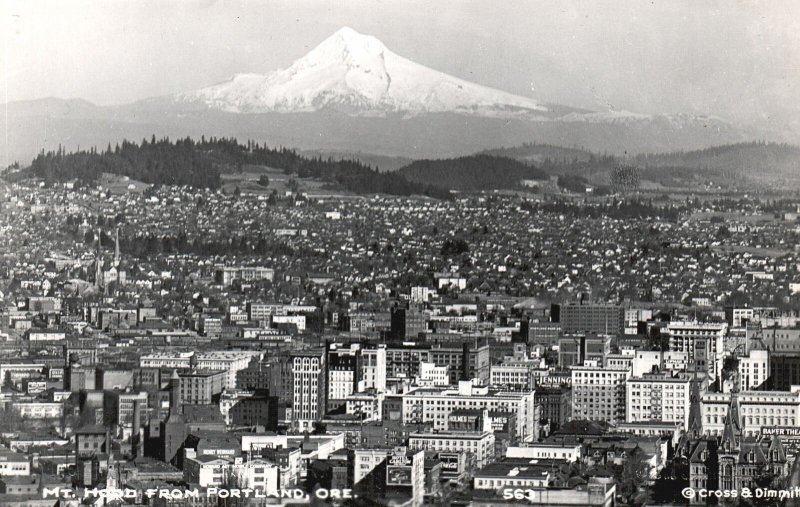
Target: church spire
732,433
116,249
695,412
98,260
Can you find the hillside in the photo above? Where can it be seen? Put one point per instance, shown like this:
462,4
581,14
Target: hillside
476,172
748,159
201,164
383,163
728,166
536,153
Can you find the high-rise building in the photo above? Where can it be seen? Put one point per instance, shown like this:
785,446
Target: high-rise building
598,394
592,318
344,365
308,388
703,343
373,368
660,397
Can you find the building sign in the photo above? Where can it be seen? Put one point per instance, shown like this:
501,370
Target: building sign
462,418
789,437
400,458
398,476
36,387
553,380
450,464
782,431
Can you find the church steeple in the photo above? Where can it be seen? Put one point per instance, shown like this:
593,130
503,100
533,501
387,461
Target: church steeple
98,260
732,433
116,249
695,412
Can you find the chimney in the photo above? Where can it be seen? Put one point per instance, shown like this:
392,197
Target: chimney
136,434
175,392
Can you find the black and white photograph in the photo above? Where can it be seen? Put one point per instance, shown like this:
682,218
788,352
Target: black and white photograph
410,253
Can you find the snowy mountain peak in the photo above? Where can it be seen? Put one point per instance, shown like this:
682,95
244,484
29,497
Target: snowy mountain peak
347,47
358,74
353,40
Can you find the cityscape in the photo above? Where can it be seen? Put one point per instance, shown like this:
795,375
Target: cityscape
195,315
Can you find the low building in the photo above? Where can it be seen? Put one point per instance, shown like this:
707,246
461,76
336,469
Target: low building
14,464
479,445
544,450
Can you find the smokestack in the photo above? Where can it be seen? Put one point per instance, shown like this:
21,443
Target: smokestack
137,416
136,434
175,392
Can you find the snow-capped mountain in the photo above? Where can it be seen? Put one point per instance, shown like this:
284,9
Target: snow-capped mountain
351,93
359,75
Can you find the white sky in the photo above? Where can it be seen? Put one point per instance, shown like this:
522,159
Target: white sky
736,59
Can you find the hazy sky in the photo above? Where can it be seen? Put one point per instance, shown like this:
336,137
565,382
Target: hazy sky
735,59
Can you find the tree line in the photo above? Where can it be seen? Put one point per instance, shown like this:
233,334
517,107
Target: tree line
155,162
200,164
473,173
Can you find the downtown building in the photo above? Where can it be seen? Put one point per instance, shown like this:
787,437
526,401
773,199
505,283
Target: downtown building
228,361
344,366
598,394
434,405
784,356
592,318
757,410
660,397
308,388
703,344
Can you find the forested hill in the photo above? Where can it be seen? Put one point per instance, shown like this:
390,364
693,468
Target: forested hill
476,172
756,158
537,153
200,164
156,162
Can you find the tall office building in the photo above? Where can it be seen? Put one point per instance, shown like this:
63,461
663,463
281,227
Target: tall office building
308,388
343,372
703,343
662,397
373,367
592,318
598,394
